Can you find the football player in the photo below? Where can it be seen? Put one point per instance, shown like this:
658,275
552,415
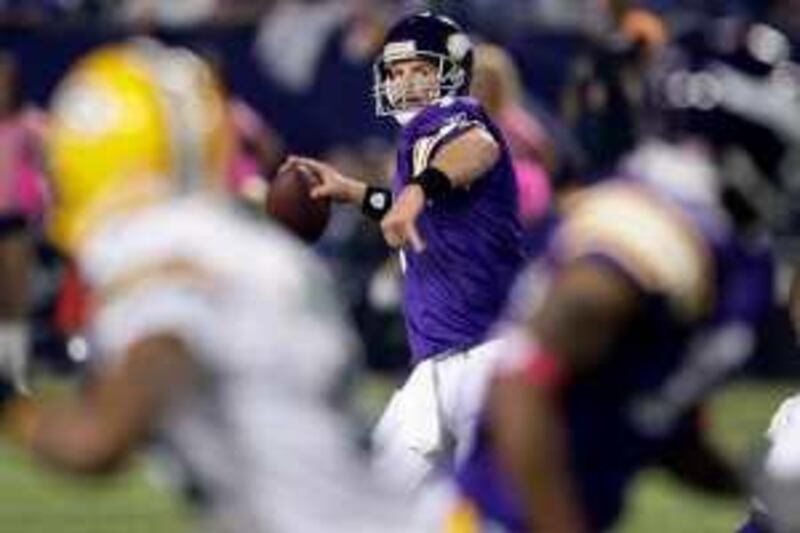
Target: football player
213,334
645,301
452,214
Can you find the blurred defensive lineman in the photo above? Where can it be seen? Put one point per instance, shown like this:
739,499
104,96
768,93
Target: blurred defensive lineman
645,301
452,214
216,335
635,314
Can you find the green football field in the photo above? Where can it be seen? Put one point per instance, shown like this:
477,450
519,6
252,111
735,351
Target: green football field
33,501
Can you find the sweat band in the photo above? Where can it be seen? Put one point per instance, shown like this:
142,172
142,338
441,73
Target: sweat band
377,202
434,183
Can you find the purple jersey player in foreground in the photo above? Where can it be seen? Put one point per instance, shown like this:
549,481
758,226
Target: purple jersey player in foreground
451,213
642,304
645,300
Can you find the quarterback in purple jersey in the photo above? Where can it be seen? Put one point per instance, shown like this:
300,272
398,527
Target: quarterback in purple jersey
451,212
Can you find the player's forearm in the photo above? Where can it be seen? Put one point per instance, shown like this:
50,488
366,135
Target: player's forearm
356,191
526,407
68,438
528,431
467,157
97,431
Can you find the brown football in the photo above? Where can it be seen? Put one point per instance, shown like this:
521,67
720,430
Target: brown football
289,203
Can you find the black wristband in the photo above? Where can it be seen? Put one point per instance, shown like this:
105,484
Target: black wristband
434,183
377,202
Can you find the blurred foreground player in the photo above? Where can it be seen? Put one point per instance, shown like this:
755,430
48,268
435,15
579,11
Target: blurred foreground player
215,335
452,213
638,316
645,301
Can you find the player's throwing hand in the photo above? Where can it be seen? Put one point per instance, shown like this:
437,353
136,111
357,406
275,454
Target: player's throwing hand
330,182
399,225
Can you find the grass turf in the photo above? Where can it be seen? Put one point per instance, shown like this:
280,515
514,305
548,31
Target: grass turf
34,501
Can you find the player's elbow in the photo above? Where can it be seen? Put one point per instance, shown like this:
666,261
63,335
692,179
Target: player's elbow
86,451
102,459
94,464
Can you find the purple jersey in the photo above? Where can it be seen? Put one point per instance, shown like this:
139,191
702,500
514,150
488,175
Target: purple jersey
456,288
698,283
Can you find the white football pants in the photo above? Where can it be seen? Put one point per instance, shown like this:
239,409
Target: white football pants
428,425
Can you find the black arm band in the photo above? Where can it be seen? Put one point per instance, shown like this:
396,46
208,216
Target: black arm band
434,183
377,202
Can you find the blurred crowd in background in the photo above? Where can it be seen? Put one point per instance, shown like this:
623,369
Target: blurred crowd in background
565,80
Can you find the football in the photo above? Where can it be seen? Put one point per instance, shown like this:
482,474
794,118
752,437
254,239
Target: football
288,202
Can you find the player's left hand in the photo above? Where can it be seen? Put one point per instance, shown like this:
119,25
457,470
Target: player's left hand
399,225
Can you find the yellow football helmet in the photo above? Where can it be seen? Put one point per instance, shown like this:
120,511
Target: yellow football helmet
132,124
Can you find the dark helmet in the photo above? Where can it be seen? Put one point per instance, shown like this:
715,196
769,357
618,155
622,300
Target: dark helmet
736,86
432,38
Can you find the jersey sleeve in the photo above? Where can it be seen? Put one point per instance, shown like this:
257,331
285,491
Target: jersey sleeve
173,299
647,239
447,122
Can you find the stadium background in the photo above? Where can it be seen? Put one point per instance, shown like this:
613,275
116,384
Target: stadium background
305,69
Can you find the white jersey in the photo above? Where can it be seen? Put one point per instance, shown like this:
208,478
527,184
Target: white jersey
783,436
259,433
778,486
